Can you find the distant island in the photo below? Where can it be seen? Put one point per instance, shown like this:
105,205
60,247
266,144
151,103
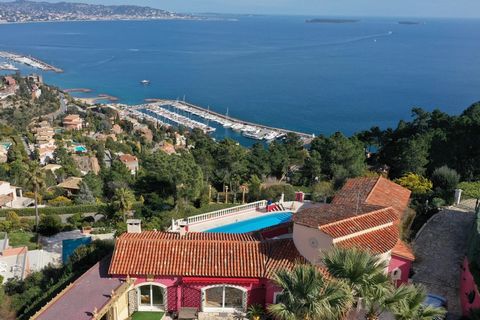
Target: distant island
32,11
324,20
408,22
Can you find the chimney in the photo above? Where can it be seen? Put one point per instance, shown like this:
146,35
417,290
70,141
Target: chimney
134,226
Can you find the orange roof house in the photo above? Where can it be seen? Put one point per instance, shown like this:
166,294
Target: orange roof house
73,122
130,161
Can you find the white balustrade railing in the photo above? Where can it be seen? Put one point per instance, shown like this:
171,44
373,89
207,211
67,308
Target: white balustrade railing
221,213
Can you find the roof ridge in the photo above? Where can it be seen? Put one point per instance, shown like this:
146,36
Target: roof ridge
373,188
357,216
241,240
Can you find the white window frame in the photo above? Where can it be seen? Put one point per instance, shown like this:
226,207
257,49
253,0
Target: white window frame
223,309
151,307
275,296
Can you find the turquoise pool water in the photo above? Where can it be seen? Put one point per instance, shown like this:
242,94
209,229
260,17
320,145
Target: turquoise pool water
80,149
7,145
254,223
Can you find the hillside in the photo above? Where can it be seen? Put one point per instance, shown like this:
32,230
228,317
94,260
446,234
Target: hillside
30,11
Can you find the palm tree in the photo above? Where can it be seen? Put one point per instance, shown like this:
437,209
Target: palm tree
123,201
412,307
381,298
35,177
360,269
308,295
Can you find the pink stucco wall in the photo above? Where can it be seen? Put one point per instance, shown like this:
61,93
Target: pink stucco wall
403,264
185,291
469,295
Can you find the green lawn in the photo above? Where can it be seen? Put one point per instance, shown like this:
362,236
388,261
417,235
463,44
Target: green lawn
146,315
23,238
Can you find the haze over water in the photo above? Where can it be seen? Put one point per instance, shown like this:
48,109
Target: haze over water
279,71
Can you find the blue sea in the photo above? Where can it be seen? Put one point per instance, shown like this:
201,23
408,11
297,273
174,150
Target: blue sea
279,71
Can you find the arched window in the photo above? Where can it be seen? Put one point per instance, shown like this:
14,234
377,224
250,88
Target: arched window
224,298
151,297
396,274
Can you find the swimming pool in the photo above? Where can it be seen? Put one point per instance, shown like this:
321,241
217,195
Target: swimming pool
253,224
80,149
6,145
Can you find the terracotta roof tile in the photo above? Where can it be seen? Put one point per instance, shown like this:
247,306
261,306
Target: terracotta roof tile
128,158
389,194
374,191
354,191
403,250
200,254
322,215
377,241
360,223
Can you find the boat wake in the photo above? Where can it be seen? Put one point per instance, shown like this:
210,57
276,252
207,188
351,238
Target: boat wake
342,42
102,62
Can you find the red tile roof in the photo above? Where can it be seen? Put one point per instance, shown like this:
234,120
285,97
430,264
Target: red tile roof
389,194
326,214
374,191
403,250
355,191
377,241
360,223
364,213
128,158
200,254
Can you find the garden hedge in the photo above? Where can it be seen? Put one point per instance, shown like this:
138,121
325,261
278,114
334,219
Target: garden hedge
86,208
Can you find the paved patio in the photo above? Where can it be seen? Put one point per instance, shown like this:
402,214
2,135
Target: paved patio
440,248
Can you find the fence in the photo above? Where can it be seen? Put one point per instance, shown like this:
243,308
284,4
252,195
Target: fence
221,213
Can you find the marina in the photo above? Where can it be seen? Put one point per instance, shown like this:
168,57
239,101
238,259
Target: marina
159,112
29,61
175,112
247,129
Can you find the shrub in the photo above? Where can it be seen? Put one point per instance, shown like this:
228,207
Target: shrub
321,191
438,202
13,218
274,192
86,208
60,201
445,180
415,183
50,225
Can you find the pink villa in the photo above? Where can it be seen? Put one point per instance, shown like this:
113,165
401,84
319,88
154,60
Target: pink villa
218,275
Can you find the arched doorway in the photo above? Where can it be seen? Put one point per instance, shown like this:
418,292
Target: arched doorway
224,298
151,296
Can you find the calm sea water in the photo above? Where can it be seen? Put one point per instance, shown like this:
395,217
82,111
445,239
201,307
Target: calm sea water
280,71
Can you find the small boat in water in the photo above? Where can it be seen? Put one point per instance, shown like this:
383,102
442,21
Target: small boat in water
145,82
252,134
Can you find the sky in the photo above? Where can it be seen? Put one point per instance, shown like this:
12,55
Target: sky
384,8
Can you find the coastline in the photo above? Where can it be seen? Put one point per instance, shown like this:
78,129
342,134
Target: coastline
193,18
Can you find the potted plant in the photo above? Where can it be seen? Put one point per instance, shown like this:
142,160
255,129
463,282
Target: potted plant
255,312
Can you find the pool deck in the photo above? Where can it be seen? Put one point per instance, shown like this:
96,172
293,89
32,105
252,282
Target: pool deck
244,215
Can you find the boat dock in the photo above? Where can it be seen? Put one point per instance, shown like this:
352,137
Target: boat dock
248,129
156,111
29,61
